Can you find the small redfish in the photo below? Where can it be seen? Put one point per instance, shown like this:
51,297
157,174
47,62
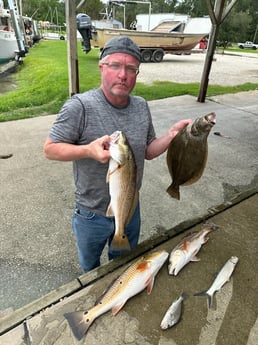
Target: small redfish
188,248
173,313
137,277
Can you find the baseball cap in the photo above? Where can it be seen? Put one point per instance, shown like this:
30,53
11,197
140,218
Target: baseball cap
121,44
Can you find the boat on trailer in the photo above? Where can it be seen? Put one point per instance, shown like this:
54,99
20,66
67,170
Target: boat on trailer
153,44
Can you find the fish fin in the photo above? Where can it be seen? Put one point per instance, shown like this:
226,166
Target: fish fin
210,300
120,242
110,212
117,308
184,295
108,177
206,239
111,171
173,191
201,293
150,284
204,293
195,259
79,323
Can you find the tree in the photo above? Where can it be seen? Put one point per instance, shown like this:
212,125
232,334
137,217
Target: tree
45,10
235,28
240,25
93,8
194,8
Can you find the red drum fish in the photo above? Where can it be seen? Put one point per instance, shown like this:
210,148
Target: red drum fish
136,278
188,248
122,188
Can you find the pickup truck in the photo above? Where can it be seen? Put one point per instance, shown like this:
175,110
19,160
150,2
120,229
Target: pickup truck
247,44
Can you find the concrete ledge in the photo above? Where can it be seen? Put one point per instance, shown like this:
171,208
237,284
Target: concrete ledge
17,317
8,68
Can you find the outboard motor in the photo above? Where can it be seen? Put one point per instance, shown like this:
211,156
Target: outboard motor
84,27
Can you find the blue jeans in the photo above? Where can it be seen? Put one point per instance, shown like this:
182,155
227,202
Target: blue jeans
92,231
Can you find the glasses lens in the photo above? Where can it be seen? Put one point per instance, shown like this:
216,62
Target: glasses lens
116,66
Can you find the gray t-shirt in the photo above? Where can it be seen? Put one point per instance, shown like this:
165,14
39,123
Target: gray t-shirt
88,116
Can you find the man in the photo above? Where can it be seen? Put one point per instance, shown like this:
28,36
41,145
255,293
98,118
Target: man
81,133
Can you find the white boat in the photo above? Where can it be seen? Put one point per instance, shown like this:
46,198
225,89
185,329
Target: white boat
8,42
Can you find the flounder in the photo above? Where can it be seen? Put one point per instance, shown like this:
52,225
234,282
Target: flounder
187,153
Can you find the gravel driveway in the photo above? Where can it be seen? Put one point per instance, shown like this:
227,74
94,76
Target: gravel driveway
228,70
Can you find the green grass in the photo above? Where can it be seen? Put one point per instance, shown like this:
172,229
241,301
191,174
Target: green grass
42,82
234,48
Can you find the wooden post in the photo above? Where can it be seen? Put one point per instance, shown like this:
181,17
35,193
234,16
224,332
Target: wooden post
72,54
217,15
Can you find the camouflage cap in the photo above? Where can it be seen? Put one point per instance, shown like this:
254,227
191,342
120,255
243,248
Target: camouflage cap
121,44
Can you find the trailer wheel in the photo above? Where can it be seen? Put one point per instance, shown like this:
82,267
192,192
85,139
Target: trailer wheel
146,55
158,55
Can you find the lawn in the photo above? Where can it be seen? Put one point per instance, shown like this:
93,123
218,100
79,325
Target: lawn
42,82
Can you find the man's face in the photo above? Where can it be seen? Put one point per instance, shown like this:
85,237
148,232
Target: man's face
119,72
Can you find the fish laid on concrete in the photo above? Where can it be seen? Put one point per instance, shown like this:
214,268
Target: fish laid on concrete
187,153
135,278
188,248
173,313
122,188
222,277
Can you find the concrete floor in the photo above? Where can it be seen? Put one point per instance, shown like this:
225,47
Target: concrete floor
37,248
232,320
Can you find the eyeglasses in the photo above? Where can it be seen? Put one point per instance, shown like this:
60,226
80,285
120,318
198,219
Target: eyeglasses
116,66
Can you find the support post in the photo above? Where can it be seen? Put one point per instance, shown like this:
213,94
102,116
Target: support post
217,15
72,54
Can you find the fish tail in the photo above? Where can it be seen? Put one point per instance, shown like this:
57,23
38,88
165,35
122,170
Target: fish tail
210,300
205,293
173,191
79,323
201,293
184,295
211,226
120,242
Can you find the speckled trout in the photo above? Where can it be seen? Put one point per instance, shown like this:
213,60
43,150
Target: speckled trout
135,278
188,247
124,195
